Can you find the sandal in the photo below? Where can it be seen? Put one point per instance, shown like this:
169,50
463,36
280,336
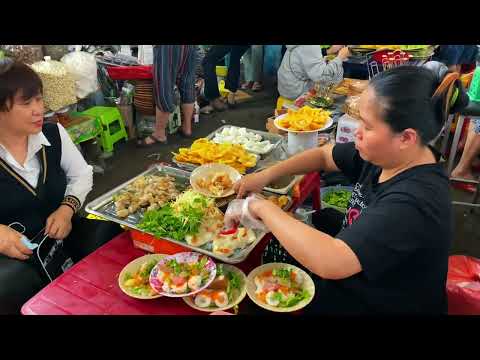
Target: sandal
143,142
247,85
257,86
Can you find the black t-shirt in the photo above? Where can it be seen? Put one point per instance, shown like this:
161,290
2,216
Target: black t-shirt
401,231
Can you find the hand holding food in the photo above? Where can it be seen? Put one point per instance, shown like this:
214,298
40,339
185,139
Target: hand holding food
251,183
238,212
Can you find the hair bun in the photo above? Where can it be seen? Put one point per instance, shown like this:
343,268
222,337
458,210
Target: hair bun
6,64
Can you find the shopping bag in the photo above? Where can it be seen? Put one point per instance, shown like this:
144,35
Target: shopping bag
463,285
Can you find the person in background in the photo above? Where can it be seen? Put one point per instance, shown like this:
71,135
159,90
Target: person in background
458,58
44,180
214,55
463,170
389,255
303,65
253,61
172,65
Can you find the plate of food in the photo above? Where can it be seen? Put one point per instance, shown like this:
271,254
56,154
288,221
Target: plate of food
227,290
182,274
280,287
134,279
304,120
214,180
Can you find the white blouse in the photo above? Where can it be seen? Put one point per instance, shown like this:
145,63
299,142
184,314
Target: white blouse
79,173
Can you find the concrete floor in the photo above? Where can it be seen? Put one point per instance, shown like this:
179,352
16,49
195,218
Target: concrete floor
128,161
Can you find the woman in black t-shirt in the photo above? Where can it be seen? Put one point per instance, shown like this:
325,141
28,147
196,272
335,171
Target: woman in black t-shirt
391,254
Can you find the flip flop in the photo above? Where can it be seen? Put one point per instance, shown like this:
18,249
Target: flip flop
246,85
143,144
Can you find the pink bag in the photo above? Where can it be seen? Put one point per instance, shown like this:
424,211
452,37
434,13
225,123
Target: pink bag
463,285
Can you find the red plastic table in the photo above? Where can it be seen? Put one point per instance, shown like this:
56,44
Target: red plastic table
90,287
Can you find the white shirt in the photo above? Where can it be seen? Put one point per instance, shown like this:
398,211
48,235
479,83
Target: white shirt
79,173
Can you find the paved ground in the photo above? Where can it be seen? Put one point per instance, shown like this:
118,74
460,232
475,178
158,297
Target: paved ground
129,161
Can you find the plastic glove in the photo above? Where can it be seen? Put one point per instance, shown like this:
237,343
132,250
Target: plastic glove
238,213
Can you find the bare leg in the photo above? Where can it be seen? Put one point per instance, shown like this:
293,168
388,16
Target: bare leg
161,120
472,148
187,111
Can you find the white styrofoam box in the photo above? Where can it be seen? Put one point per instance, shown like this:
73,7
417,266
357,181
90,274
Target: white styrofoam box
346,129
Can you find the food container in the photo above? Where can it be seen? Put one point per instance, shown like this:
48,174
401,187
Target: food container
104,206
275,139
346,129
325,190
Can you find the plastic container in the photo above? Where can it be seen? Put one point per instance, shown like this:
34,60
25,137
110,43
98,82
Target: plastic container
152,244
346,129
324,191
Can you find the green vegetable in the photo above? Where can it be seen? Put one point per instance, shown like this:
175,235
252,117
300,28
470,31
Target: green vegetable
293,300
338,198
282,273
220,270
179,219
147,269
234,283
175,266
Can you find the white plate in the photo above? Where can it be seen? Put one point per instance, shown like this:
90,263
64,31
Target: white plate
251,287
211,169
242,293
277,119
184,257
131,268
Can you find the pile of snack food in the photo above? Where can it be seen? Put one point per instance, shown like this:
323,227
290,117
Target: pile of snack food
204,151
304,119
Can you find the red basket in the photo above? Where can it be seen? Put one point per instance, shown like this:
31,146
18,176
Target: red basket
130,72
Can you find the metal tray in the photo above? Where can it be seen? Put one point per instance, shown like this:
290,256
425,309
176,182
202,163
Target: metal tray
104,207
275,139
225,201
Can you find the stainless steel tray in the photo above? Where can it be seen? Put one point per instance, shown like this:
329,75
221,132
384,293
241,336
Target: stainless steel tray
275,139
104,207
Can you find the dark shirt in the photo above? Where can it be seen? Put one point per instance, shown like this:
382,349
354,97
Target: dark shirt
400,230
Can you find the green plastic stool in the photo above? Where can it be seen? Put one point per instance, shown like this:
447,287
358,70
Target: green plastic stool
474,90
113,127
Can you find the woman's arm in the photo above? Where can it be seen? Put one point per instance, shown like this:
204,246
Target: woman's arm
324,255
317,68
79,173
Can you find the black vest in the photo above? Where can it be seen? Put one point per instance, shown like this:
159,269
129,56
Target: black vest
20,202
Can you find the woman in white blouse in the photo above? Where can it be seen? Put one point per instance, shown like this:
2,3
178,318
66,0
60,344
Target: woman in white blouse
44,181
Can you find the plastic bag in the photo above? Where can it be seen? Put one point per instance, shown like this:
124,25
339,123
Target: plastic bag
83,67
58,84
463,285
237,211
27,54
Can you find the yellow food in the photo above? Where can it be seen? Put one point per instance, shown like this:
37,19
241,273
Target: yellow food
280,201
305,119
204,151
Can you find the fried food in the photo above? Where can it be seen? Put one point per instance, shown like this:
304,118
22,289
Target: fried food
204,151
216,184
280,201
305,119
147,192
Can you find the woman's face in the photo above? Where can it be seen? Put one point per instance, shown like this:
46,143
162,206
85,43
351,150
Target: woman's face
374,139
25,117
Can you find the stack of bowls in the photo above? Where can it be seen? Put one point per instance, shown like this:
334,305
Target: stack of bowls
143,100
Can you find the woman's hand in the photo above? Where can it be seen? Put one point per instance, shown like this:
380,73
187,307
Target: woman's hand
334,49
11,244
59,223
240,212
344,53
252,183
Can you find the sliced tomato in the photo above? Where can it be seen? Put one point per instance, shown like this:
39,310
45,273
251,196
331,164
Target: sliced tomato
178,280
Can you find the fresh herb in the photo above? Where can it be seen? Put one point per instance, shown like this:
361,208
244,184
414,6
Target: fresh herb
234,283
295,299
338,198
179,219
220,271
277,296
147,269
175,266
282,273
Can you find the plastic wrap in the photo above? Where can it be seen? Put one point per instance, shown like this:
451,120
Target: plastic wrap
83,67
58,84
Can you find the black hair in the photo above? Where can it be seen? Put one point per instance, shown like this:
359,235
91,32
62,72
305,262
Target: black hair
17,77
405,95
